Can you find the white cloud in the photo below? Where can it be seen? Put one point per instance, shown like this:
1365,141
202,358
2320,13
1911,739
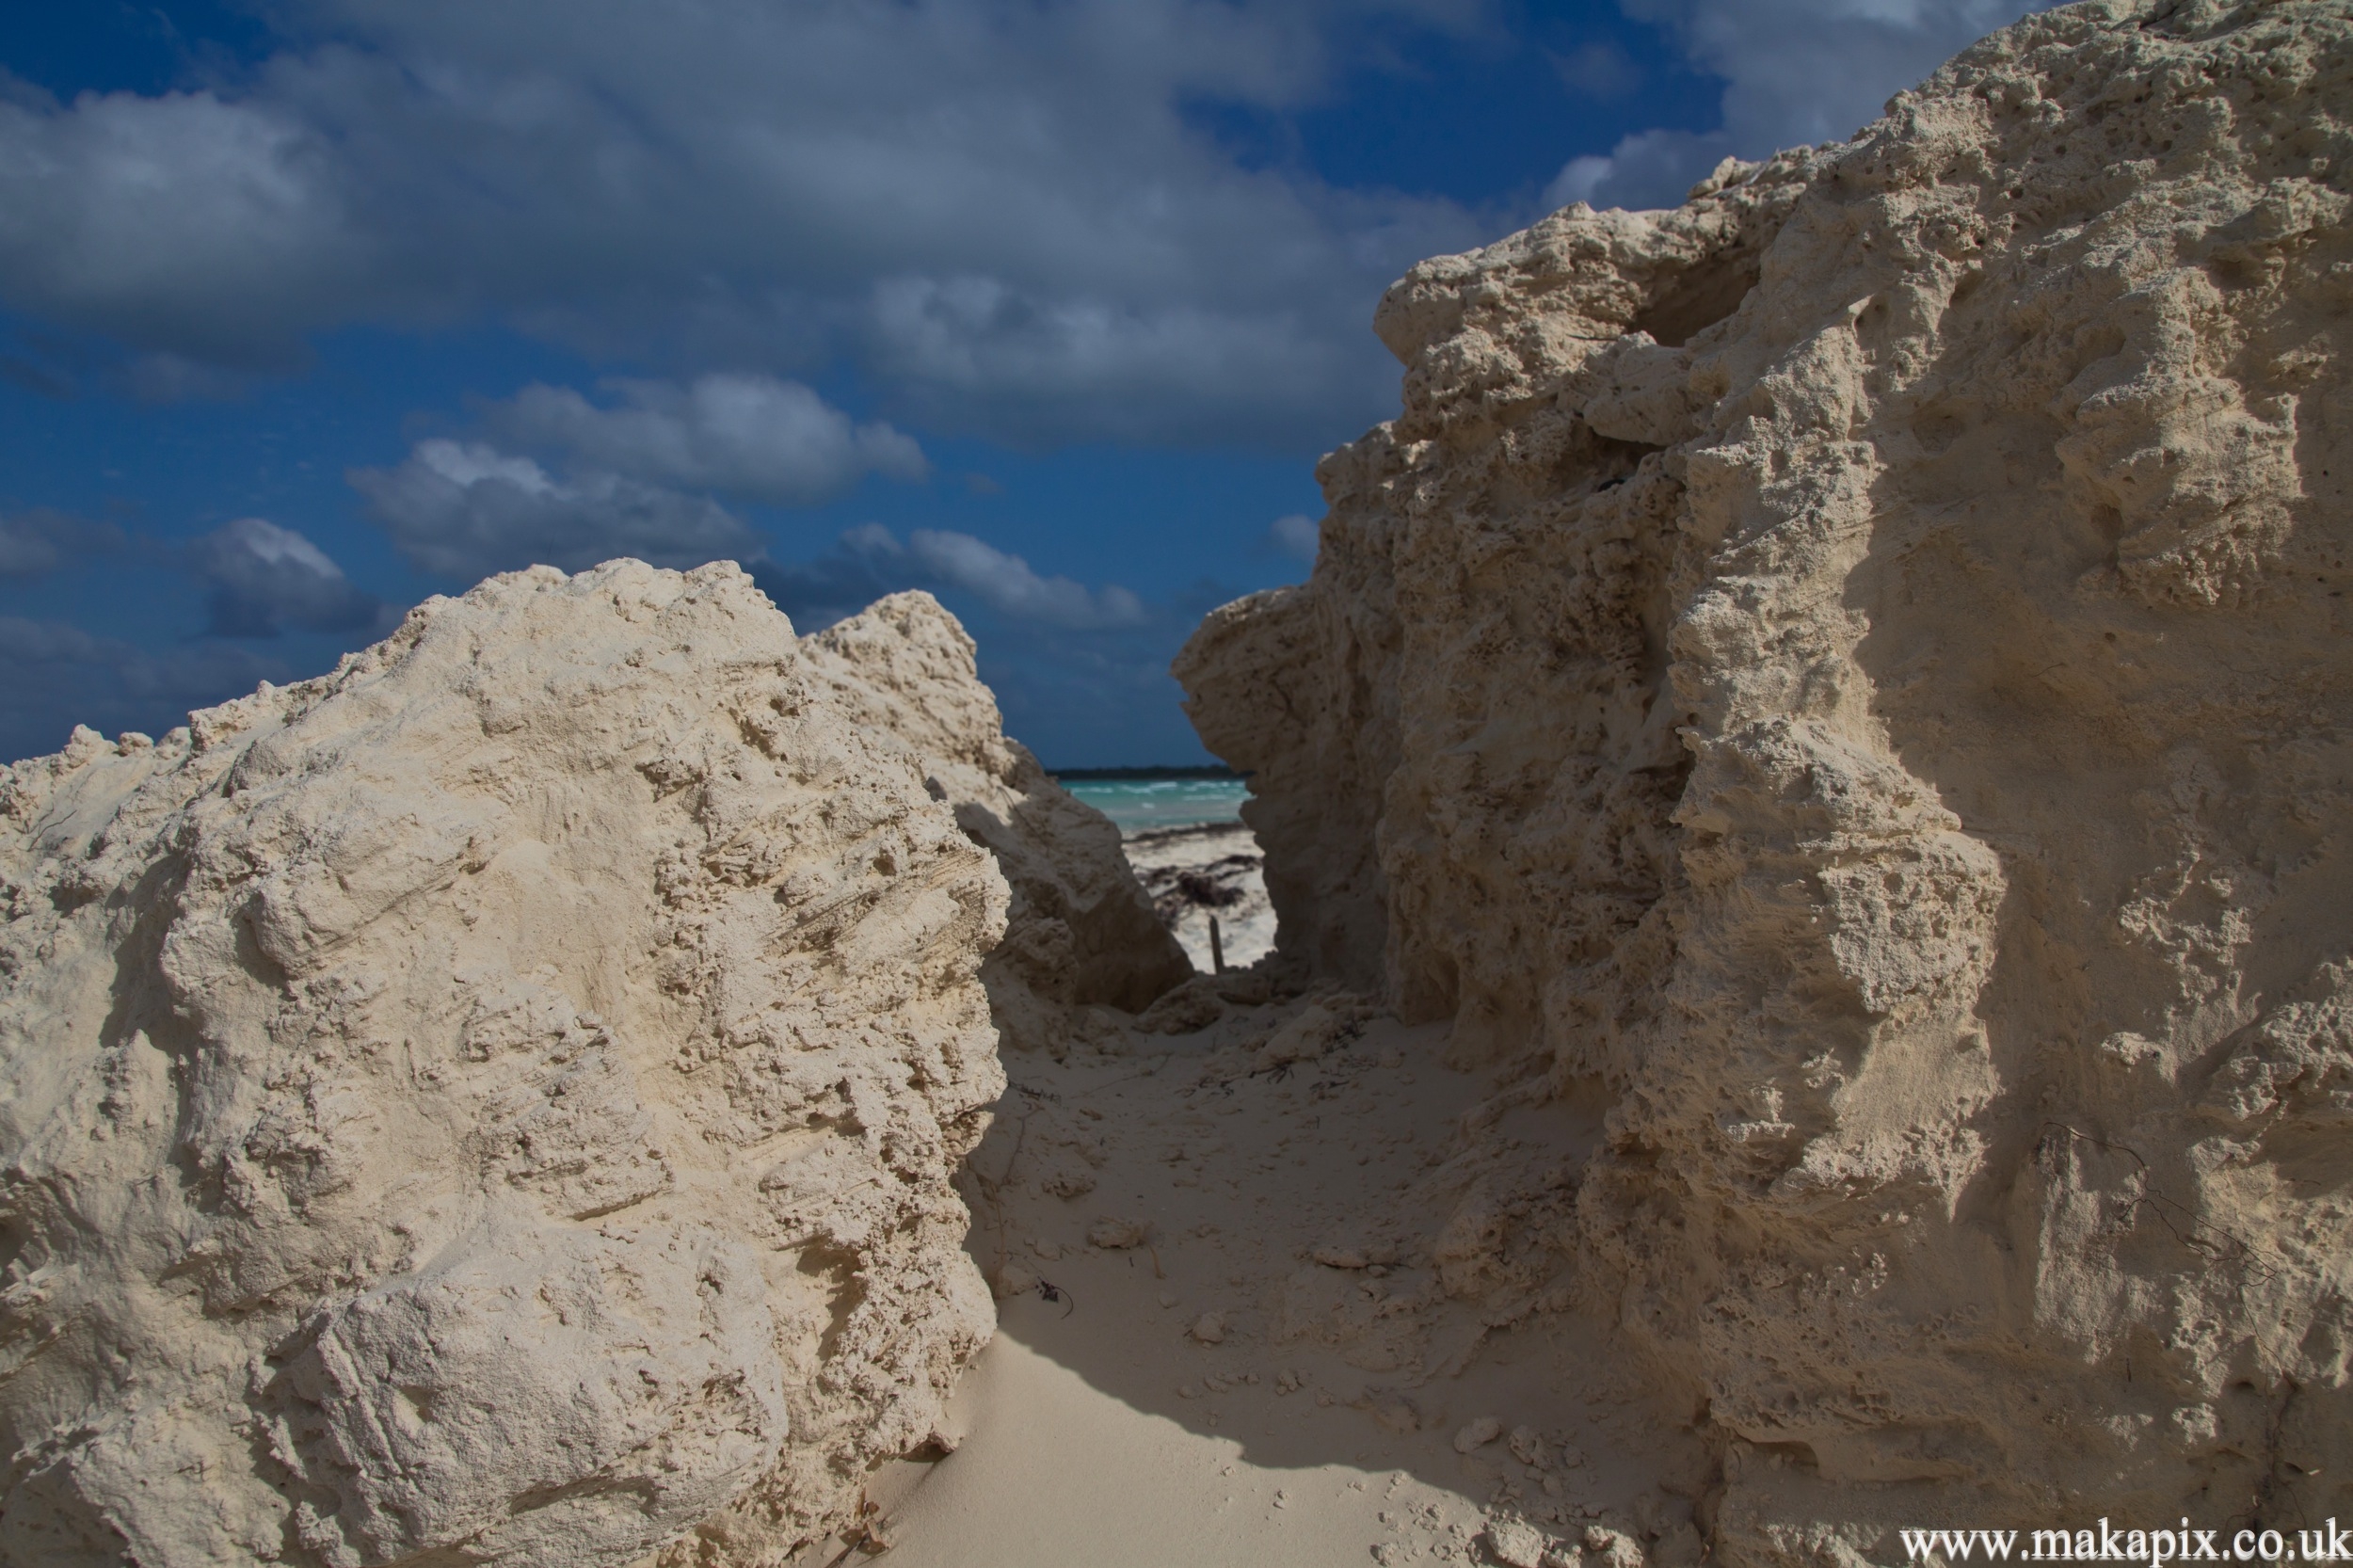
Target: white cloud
200,228
1811,70
261,579
1141,372
868,562
1296,534
998,210
1006,584
752,437
467,509
1797,72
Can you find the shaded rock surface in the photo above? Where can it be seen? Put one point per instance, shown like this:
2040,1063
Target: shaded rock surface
497,1102
1847,684
1079,930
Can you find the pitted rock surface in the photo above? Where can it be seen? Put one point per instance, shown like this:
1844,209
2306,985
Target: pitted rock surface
1848,681
496,1102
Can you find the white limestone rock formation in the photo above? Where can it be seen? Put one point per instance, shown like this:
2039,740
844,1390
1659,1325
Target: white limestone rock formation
1081,930
495,1103
1851,678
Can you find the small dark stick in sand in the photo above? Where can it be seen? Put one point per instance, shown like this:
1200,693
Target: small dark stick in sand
1217,949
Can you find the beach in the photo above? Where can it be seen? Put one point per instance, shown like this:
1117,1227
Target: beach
1211,873
1197,861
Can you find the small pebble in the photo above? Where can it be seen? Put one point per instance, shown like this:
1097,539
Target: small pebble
1481,1431
1515,1543
1210,1328
1527,1446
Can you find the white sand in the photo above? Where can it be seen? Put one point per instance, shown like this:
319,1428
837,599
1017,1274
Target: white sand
1101,1433
1195,874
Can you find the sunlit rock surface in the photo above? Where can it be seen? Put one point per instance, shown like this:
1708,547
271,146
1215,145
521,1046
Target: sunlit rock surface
497,1102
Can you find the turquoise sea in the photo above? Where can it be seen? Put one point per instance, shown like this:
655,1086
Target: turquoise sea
1146,804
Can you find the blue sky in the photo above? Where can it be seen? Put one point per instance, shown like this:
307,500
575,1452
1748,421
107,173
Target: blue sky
309,308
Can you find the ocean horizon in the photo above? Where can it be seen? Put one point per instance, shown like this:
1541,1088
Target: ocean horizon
1148,800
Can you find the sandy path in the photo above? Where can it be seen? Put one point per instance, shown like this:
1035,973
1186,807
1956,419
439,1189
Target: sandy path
1100,1427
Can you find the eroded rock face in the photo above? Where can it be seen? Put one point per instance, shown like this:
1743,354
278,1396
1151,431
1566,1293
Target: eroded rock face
493,1103
1851,676
1080,930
